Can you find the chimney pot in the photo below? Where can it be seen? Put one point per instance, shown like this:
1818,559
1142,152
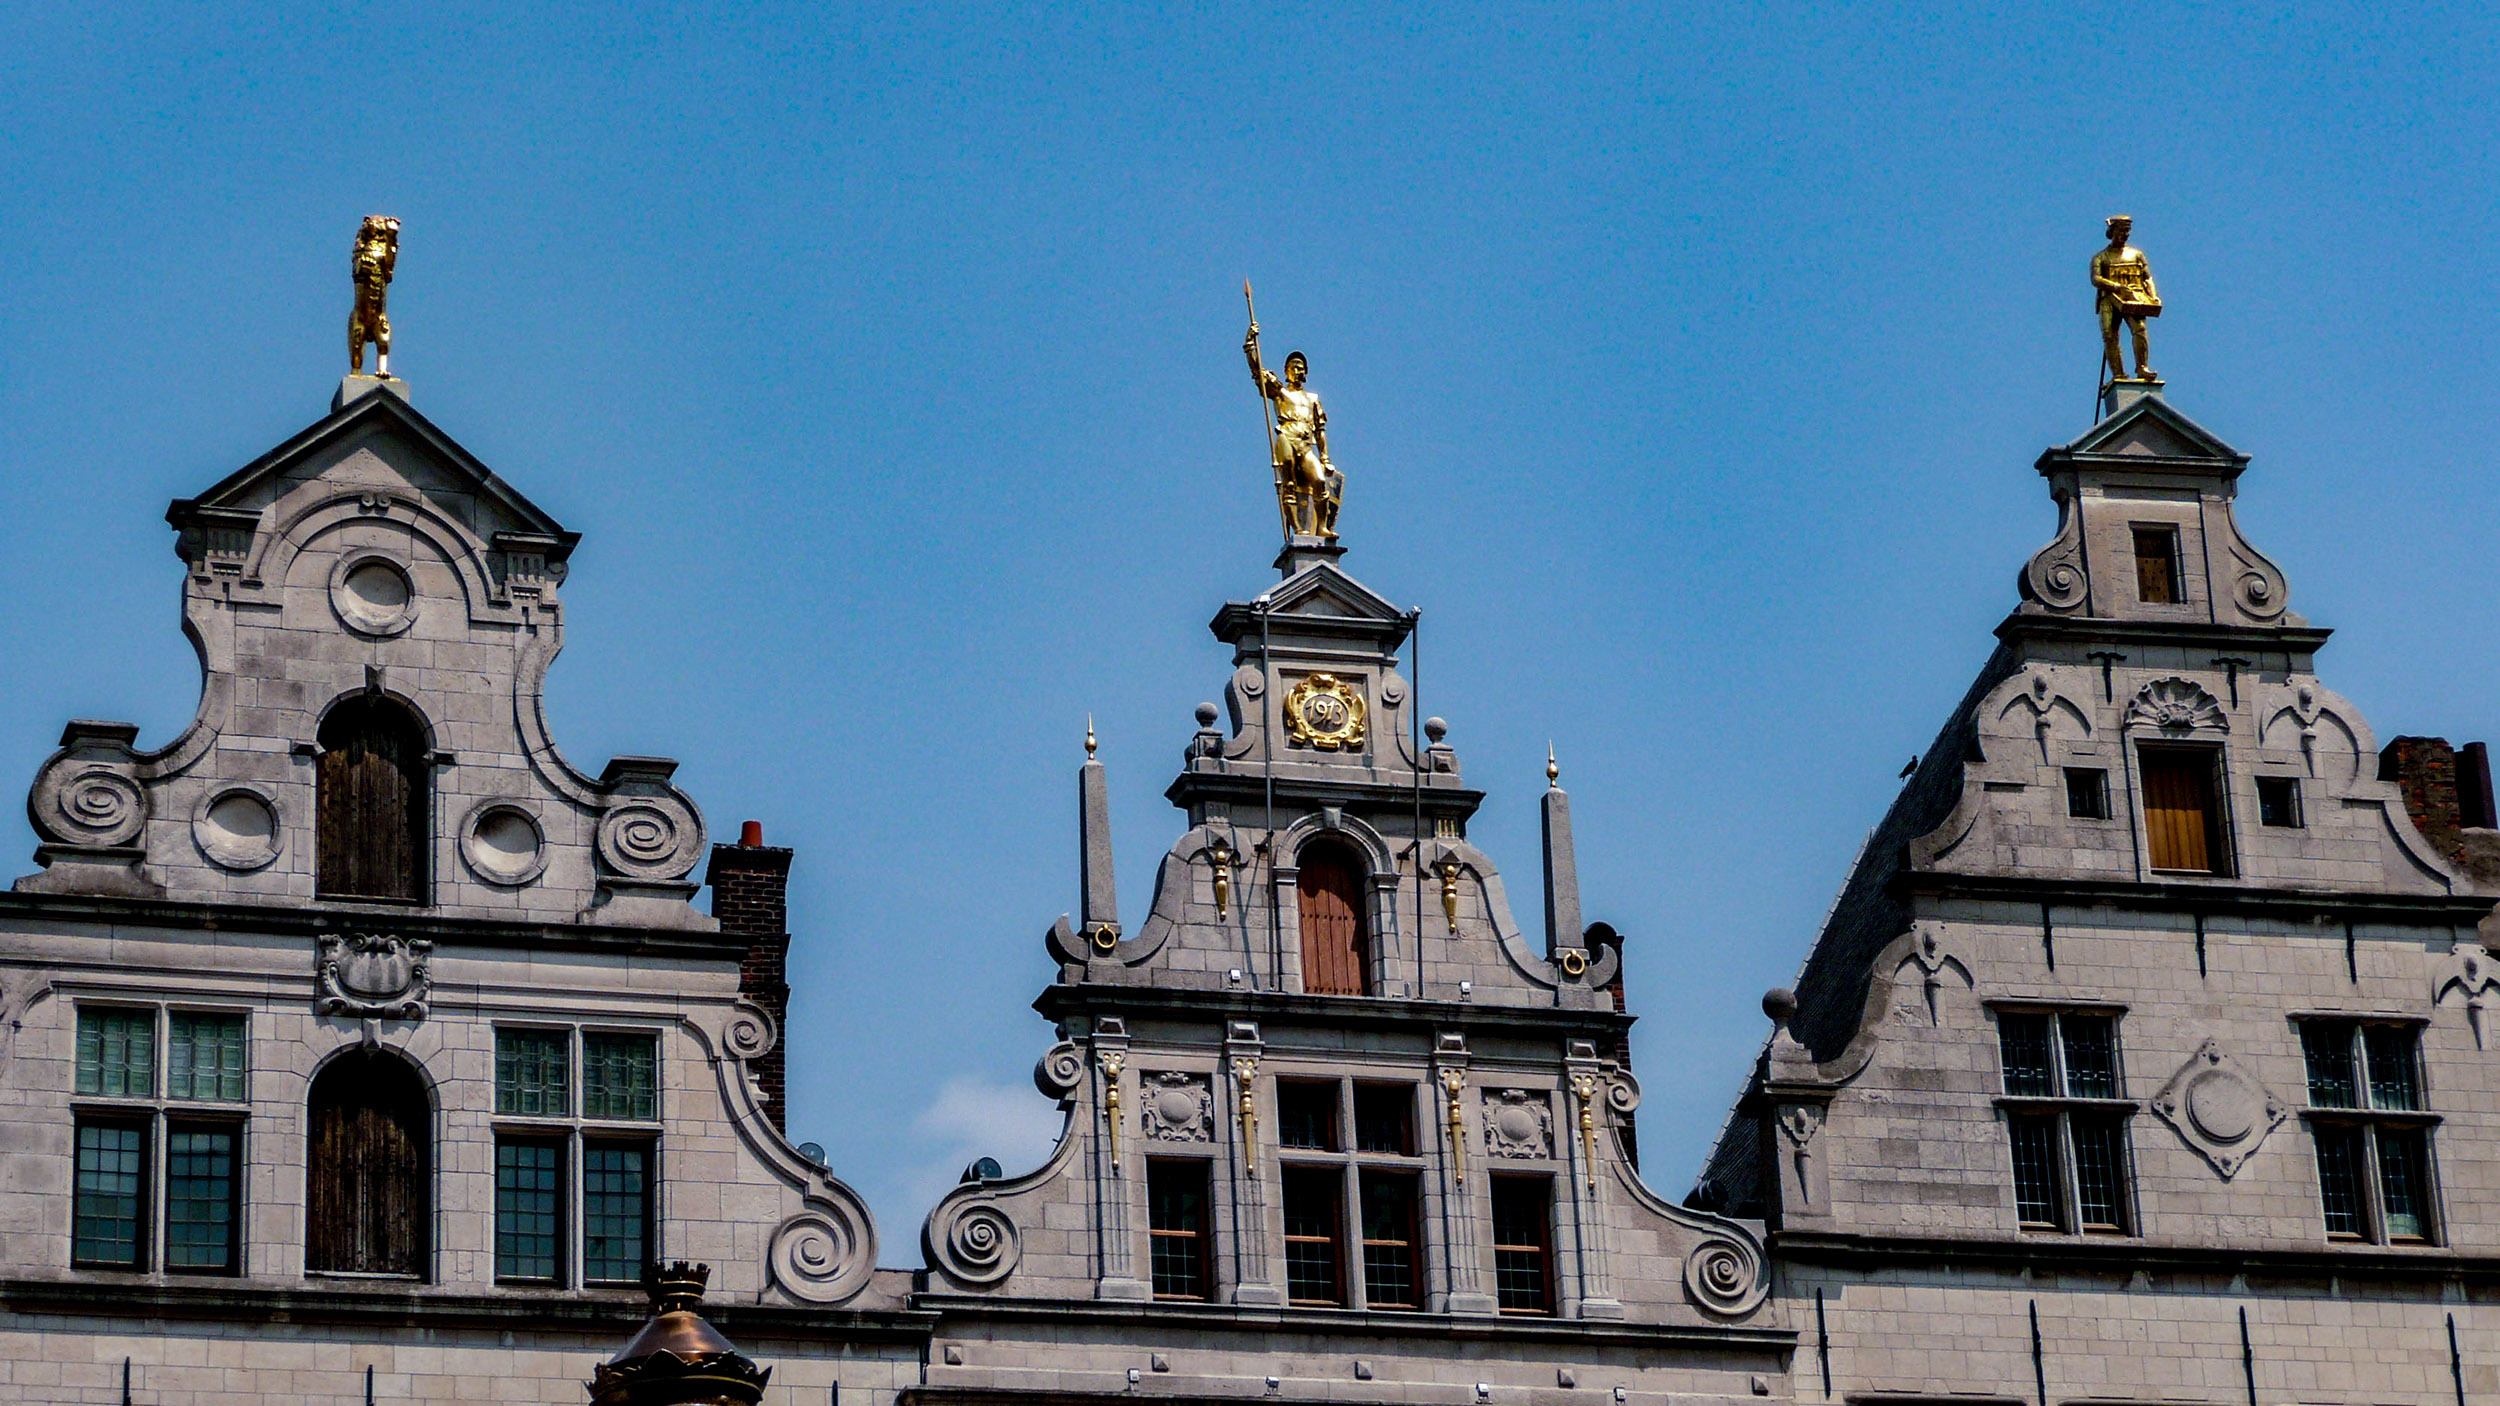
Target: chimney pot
751,835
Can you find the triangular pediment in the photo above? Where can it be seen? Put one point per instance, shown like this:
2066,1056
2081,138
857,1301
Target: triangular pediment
2148,428
436,463
1323,590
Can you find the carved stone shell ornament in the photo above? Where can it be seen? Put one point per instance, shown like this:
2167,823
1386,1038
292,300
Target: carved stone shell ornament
2176,705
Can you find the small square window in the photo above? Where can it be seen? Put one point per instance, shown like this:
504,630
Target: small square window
533,1073
1384,1119
2278,802
204,1057
1306,1115
117,1053
2157,565
2087,792
620,1077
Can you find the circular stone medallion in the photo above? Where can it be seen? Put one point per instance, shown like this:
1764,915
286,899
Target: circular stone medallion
2222,1108
504,845
1516,1122
373,595
237,829
1178,1107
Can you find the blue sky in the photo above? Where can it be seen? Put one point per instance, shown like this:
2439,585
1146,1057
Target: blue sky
1687,371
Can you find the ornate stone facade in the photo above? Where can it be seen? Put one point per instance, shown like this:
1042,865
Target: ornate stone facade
2137,1060
2143,1058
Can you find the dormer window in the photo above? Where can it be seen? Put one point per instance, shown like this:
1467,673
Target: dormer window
372,787
2157,566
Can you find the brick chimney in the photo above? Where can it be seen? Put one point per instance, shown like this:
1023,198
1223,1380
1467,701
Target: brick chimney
751,897
2425,769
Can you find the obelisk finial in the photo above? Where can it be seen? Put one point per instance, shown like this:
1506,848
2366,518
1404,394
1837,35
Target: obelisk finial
1553,768
376,255
1089,737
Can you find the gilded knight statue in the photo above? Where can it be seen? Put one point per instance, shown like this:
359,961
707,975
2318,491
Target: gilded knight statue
1308,487
377,253
2122,291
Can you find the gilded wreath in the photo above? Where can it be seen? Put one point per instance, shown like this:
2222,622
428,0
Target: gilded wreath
1324,712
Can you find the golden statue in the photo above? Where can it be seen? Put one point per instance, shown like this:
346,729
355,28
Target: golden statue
377,253
2122,284
1309,489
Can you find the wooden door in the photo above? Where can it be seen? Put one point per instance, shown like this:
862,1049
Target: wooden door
371,798
1335,959
2182,816
366,1186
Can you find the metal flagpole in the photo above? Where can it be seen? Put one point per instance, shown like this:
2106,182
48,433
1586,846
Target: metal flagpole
1267,419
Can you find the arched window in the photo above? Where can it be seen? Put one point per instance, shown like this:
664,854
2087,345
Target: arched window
1336,938
367,1180
373,779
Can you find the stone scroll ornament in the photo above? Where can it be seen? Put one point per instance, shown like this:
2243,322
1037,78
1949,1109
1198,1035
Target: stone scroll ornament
2218,1109
373,975
976,1244
1724,1275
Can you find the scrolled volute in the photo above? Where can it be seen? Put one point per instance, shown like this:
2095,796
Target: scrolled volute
974,1242
1060,1071
1724,1275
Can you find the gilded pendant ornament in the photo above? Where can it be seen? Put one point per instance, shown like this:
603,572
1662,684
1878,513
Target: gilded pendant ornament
1323,712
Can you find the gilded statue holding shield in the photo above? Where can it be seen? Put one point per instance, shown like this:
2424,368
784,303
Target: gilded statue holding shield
376,254
1308,487
2122,291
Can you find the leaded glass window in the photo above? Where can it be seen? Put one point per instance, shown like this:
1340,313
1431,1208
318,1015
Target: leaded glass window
202,1181
1176,1227
116,1052
1313,1216
620,1077
2371,1129
529,1207
1523,1244
2065,1119
1392,1250
616,1211
204,1057
109,1199
533,1073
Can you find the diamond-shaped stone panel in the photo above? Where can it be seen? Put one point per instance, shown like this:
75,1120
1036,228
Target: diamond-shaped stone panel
2218,1109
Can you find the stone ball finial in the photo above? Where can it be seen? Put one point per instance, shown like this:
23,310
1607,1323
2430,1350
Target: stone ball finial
1780,1004
1436,728
1206,715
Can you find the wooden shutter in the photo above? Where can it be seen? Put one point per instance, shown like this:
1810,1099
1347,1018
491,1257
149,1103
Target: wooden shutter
2182,816
366,1185
2156,566
371,797
1334,957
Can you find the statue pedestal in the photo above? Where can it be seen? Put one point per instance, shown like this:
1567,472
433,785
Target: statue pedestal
1302,553
2118,395
356,387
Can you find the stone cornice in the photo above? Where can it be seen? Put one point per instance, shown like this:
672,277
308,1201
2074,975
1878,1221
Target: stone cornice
2123,1256
131,915
616,1313
1346,1012
2220,896
1265,1322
